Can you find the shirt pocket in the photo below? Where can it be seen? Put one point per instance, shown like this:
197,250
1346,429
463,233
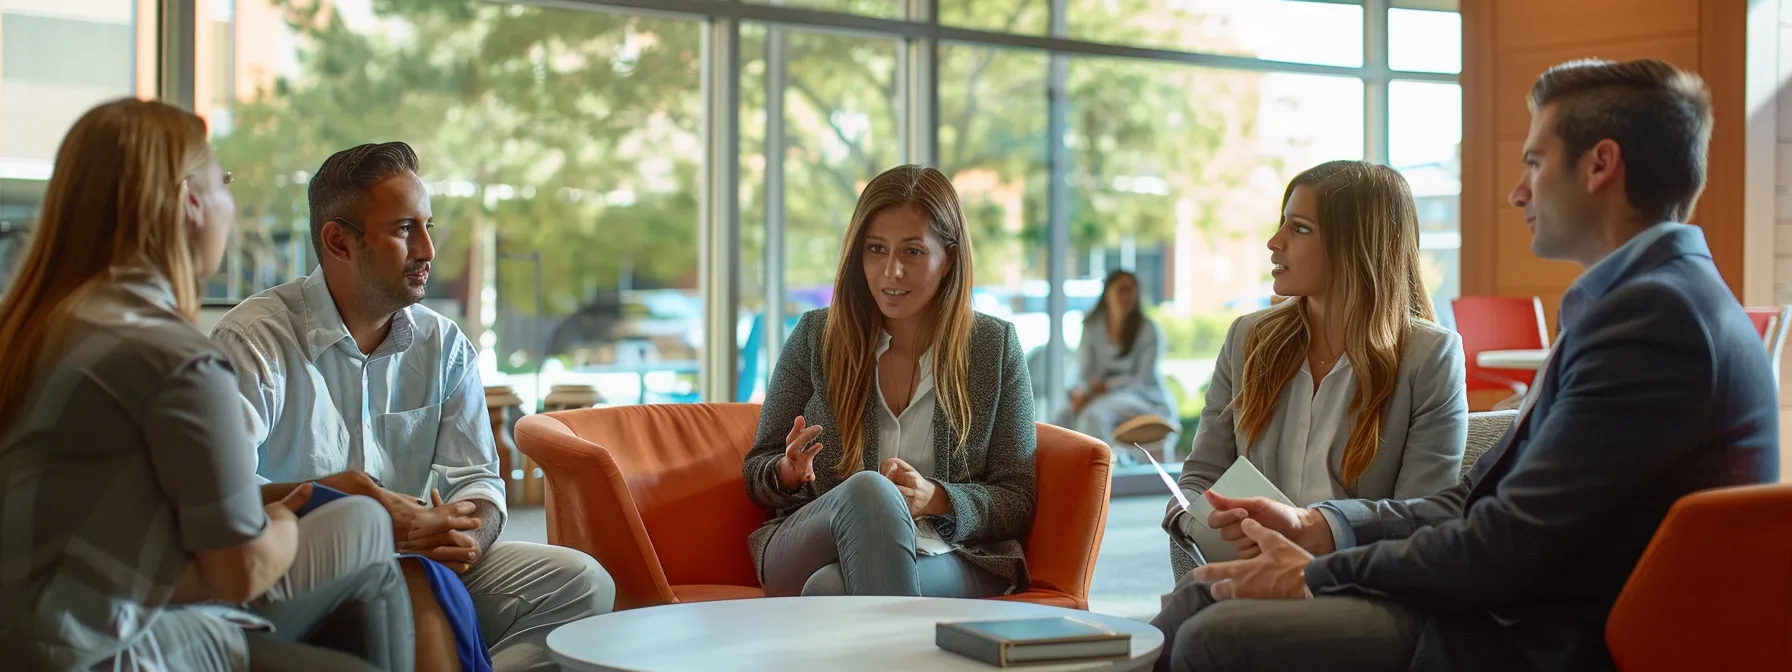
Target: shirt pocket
409,442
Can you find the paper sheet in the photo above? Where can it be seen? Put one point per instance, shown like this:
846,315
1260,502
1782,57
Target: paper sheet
1241,480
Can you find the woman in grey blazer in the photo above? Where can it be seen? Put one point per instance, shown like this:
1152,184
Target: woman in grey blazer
1348,388
895,448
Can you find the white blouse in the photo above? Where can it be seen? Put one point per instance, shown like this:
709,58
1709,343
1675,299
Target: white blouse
910,437
1313,425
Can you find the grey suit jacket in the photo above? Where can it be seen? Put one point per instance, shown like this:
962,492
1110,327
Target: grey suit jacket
1423,429
1657,387
990,483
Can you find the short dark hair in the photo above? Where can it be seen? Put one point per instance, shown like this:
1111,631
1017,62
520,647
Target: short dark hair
340,186
1659,115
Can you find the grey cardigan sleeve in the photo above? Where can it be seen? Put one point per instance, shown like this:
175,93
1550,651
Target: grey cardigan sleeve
787,393
998,504
1431,461
1214,446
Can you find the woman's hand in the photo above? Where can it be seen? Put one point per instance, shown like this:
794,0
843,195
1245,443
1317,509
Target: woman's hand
922,494
798,464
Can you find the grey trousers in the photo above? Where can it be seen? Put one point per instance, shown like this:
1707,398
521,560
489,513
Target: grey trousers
1325,633
520,591
1107,411
336,540
361,621
858,539
523,591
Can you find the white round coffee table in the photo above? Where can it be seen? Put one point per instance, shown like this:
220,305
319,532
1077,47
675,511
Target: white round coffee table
809,633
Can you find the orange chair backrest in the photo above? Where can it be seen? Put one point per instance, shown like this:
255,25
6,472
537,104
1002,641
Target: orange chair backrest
1071,511
1498,323
681,464
1711,591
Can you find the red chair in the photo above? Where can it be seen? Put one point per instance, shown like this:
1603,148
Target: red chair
1771,323
1499,323
1714,589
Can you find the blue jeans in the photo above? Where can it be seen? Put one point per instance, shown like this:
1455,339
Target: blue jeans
858,539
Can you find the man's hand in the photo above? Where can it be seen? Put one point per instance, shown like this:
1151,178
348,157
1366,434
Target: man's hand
455,549
426,523
440,533
1307,528
1279,573
923,495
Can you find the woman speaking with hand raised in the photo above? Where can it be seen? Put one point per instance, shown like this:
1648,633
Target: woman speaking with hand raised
896,463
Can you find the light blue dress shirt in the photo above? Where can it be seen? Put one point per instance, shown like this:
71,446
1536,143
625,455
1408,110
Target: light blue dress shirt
415,405
1592,284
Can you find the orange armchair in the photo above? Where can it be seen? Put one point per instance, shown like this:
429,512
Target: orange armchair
1714,589
625,485
654,493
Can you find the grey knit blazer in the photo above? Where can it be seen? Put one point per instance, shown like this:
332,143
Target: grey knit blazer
990,483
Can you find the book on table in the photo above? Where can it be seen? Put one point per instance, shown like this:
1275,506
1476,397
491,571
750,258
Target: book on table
1007,643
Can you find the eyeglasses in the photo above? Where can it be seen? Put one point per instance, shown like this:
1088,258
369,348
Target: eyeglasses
349,224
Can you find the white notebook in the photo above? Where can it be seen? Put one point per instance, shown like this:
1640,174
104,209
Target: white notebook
1240,480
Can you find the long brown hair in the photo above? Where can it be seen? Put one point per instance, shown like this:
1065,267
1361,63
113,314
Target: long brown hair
114,198
1370,230
1132,321
849,343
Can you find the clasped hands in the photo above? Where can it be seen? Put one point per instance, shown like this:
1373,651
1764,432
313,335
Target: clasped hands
1274,542
440,532
798,467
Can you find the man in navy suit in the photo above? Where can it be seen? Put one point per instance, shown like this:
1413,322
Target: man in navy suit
1658,386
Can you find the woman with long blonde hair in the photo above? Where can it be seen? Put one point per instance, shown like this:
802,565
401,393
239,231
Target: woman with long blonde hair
132,524
1348,388
894,461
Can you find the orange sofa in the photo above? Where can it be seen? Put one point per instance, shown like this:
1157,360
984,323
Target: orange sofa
629,485
1714,589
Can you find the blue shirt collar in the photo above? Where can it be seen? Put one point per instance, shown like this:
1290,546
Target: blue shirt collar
324,326
1599,279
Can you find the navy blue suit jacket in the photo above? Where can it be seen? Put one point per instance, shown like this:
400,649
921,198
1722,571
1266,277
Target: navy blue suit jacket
1658,386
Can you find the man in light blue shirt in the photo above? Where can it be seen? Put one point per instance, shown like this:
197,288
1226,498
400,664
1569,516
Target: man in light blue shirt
361,389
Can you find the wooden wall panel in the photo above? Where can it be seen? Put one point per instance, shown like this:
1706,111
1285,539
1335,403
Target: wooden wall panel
1518,70
1480,154
1507,43
1547,24
1723,62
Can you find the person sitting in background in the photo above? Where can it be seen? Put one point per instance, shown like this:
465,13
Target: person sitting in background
1117,361
1657,387
362,390
882,436
131,515
1349,388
